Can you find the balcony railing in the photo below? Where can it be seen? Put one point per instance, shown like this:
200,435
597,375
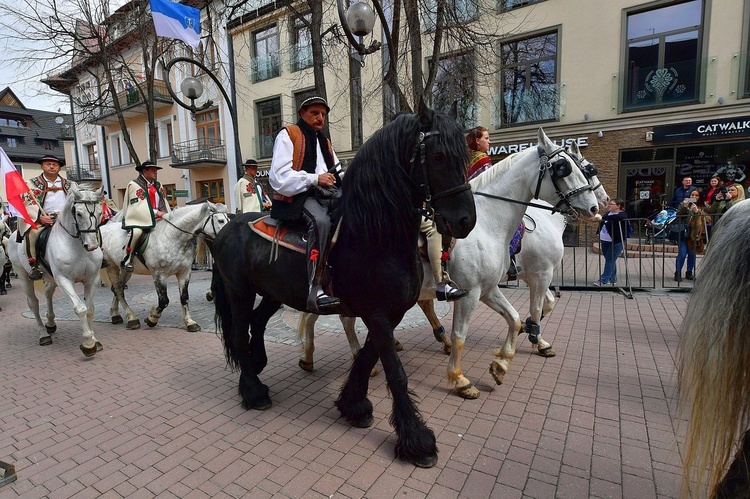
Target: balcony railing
198,153
131,100
84,173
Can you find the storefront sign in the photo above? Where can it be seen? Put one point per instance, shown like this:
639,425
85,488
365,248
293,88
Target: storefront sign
178,193
514,148
699,130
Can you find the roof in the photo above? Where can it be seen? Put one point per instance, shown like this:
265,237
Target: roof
41,127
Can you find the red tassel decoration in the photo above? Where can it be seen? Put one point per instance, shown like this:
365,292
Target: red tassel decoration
127,249
314,255
444,257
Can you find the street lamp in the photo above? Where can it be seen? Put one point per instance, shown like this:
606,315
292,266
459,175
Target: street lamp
359,20
192,88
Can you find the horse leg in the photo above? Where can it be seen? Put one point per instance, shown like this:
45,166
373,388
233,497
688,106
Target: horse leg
160,283
428,307
462,311
539,296
27,285
89,289
88,345
183,282
306,337
352,402
261,315
49,292
416,442
497,301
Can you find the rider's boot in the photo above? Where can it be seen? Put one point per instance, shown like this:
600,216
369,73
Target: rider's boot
35,273
127,262
514,269
317,300
446,290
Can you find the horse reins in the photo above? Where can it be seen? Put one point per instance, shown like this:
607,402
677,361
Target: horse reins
79,231
420,148
544,165
202,230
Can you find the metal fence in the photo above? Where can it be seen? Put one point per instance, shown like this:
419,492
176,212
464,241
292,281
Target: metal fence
648,260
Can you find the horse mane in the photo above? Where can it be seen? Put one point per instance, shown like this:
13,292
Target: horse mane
713,354
490,174
376,186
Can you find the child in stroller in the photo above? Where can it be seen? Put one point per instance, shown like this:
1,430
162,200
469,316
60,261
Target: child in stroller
657,225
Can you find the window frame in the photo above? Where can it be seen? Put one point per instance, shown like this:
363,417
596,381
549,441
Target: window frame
298,27
206,187
208,128
93,159
625,106
118,149
263,121
273,54
501,4
555,115
454,78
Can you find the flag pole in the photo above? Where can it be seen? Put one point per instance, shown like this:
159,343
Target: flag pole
36,202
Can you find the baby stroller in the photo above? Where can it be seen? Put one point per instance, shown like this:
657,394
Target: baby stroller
657,226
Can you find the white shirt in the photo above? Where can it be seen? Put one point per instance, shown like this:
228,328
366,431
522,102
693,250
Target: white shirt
283,178
54,201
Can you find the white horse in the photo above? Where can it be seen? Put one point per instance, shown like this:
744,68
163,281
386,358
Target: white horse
170,251
72,256
542,252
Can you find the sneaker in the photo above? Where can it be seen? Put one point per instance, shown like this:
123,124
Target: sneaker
600,283
614,280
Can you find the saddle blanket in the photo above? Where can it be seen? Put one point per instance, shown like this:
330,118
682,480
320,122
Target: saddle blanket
288,238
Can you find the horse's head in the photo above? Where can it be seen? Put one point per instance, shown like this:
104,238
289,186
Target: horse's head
216,219
439,167
82,215
590,172
566,181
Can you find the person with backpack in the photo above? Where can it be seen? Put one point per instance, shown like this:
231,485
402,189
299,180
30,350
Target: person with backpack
613,229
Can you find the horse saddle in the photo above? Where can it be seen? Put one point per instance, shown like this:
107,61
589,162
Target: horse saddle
141,247
290,236
41,247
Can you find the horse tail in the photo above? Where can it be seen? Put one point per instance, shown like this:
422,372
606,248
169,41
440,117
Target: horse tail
201,252
223,318
713,355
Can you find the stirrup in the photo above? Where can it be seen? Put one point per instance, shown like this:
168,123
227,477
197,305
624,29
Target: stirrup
449,293
36,273
126,266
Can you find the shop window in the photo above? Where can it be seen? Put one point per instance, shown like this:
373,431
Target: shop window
454,82
530,92
663,55
269,124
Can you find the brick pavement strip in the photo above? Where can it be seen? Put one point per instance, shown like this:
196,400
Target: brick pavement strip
157,412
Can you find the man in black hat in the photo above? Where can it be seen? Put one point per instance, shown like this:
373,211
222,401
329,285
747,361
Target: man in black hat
249,196
50,189
145,202
303,159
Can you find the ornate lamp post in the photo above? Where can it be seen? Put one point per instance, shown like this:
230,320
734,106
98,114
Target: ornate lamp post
359,20
192,88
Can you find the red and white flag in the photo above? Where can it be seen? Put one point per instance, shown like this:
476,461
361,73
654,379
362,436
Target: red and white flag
15,187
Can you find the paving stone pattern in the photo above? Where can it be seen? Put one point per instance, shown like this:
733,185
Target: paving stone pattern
156,413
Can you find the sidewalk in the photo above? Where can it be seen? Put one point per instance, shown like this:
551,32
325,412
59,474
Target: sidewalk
156,413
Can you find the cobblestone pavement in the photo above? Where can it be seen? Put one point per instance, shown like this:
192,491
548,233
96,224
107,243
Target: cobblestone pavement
156,413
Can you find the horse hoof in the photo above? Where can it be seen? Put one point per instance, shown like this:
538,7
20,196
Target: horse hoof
497,372
363,422
425,462
547,352
88,352
43,342
209,296
469,391
134,324
397,345
446,349
149,323
306,365
99,347
192,328
51,329
3,292
116,319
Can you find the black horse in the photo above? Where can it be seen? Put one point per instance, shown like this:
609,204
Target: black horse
416,160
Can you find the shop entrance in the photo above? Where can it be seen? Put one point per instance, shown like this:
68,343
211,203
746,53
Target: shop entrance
645,188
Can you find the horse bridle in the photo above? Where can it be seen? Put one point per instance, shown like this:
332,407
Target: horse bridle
92,227
588,169
544,165
424,187
202,229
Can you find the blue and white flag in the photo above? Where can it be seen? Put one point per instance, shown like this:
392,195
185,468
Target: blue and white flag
174,20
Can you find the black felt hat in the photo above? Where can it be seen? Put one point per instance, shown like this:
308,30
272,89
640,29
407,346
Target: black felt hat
50,157
146,164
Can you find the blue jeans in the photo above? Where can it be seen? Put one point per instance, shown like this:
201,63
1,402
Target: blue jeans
611,252
682,252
